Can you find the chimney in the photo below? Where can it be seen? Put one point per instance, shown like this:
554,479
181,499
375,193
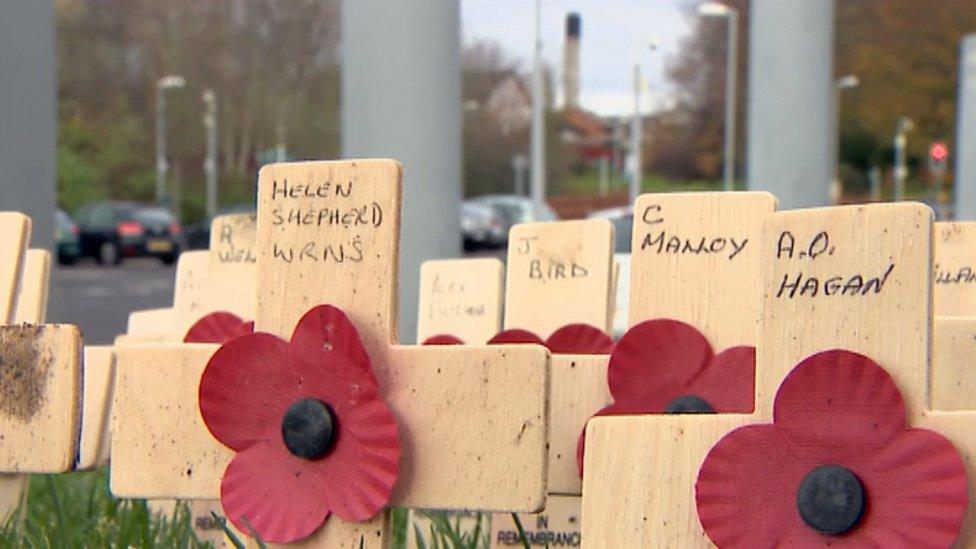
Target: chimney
571,53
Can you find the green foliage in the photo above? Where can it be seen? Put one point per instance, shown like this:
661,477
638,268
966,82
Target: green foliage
95,162
588,183
447,534
76,510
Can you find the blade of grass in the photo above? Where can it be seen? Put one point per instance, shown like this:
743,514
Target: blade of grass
419,538
254,534
222,522
521,531
59,511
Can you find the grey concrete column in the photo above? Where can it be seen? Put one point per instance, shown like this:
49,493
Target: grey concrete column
401,98
965,153
28,113
791,46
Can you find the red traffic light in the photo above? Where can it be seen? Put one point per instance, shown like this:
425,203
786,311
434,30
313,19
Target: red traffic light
938,151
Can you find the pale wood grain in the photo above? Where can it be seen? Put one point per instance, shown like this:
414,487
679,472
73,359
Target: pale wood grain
15,228
96,411
954,269
150,324
39,412
693,257
460,297
559,272
32,304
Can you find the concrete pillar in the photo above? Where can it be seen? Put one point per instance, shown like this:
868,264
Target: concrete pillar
791,47
401,98
28,113
965,153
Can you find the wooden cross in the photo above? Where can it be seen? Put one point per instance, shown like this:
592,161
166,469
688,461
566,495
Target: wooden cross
40,373
219,279
460,297
32,310
561,273
954,303
880,306
328,233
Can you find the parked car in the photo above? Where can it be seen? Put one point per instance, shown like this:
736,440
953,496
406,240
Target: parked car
515,209
66,235
111,231
197,235
482,226
623,226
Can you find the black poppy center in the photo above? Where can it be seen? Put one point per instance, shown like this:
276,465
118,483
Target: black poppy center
830,499
689,404
308,428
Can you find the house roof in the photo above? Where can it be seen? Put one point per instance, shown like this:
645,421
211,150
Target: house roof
585,123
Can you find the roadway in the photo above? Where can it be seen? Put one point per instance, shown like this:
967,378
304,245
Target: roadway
98,299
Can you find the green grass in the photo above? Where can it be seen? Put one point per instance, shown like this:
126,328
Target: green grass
76,510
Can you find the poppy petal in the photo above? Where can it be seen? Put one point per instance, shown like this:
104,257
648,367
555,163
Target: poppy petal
443,339
269,489
918,487
728,383
326,327
840,396
580,339
357,477
654,362
515,335
244,389
746,489
217,327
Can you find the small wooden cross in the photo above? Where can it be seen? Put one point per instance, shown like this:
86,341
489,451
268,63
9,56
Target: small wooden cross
219,279
954,303
954,269
460,297
40,371
855,278
328,233
31,309
561,273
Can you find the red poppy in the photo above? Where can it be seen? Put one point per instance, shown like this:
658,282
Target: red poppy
218,327
579,339
838,466
515,335
667,366
313,435
443,339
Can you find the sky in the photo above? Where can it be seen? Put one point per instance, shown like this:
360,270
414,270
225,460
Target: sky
616,34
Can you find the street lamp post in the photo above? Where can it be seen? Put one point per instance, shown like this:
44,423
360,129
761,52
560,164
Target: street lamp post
168,82
538,144
636,139
904,126
637,132
841,84
716,9
210,163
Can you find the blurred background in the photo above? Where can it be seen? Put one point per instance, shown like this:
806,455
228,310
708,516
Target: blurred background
142,119
275,70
